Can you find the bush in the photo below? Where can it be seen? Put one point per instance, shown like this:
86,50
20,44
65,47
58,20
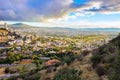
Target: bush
7,70
13,78
95,59
33,77
115,75
100,71
68,74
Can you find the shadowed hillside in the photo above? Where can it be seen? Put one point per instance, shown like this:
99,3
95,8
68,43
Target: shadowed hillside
106,59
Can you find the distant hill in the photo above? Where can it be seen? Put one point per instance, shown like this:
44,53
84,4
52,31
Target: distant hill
63,30
101,29
67,28
19,25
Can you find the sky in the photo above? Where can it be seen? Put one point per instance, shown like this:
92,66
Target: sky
62,13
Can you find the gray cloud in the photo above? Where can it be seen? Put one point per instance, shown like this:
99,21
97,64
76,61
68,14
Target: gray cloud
45,9
107,6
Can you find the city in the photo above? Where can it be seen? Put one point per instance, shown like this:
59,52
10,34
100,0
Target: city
59,40
29,51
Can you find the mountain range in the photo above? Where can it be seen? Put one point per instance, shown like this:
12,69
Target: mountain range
63,30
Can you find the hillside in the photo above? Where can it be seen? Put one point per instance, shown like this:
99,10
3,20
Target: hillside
19,26
106,59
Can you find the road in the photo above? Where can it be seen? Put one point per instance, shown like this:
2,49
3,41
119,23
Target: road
9,75
5,47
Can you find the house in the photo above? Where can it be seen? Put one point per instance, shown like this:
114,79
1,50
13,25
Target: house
52,52
28,41
51,62
38,43
4,32
24,61
3,35
11,42
19,42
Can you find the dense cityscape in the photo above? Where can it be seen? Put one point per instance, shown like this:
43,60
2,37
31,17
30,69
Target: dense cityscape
21,53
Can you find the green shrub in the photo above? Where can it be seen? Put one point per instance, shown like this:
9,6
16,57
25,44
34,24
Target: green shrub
7,70
100,71
68,74
115,74
33,77
95,59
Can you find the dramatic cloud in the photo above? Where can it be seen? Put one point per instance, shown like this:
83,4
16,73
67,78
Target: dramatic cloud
107,6
49,9
29,9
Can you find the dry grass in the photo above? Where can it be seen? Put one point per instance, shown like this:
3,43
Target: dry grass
2,71
88,72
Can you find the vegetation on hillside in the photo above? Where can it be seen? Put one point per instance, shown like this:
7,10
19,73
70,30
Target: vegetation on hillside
106,59
68,74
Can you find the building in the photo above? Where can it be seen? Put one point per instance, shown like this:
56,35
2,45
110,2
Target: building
4,33
52,62
5,26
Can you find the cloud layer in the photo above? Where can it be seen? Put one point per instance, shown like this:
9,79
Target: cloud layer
46,9
107,6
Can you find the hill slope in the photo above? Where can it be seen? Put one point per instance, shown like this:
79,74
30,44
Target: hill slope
106,59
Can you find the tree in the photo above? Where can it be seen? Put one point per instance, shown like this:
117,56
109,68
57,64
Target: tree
7,70
95,59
